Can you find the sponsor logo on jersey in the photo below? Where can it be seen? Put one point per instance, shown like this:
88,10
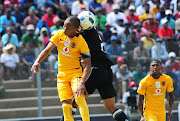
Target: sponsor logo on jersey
67,42
73,45
65,50
163,83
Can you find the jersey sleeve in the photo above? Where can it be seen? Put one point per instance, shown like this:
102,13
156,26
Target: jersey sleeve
170,87
142,87
56,38
84,48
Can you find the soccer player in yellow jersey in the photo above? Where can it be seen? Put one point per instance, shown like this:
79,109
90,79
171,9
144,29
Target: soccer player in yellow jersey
152,90
70,79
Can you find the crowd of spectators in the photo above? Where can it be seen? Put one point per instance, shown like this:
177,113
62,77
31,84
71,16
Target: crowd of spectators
133,32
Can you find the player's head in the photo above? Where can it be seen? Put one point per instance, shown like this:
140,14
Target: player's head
71,26
155,66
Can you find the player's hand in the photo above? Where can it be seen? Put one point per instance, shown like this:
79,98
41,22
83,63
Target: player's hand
143,119
81,89
170,115
35,67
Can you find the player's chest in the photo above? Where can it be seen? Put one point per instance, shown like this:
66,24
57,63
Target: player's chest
68,47
157,87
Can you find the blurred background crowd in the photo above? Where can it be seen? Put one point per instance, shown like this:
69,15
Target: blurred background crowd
133,33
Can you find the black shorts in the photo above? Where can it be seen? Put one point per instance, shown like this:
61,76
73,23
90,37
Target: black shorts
101,79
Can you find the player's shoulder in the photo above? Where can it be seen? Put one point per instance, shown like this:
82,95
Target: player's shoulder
146,79
165,76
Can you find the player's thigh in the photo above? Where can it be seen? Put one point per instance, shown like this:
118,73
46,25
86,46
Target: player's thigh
64,90
75,80
150,117
105,86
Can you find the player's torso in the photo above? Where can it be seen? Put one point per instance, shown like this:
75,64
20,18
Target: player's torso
98,55
69,53
155,93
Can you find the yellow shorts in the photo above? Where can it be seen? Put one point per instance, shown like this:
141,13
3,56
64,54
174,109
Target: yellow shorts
155,116
66,84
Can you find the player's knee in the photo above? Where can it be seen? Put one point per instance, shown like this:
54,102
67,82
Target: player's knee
80,100
66,102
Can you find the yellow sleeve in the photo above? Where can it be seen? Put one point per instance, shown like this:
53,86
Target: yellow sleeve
83,46
142,87
55,39
170,87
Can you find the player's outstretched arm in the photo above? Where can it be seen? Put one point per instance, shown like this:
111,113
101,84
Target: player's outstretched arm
140,106
87,68
42,56
171,102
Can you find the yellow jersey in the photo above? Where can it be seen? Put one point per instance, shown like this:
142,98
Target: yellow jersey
70,51
154,91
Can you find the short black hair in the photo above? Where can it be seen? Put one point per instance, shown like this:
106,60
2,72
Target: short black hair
75,21
156,60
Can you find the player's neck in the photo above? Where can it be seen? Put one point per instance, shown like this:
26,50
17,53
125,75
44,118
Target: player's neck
156,76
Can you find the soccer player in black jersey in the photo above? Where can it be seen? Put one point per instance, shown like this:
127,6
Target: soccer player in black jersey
101,76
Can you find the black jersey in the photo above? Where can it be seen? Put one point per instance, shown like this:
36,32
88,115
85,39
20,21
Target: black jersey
98,56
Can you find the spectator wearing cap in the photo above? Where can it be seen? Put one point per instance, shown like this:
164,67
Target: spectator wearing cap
30,38
94,5
140,9
115,68
41,23
138,74
145,15
114,50
107,33
100,19
155,9
115,15
165,33
57,24
7,20
49,16
124,77
171,22
151,24
76,6
107,6
31,19
130,100
10,60
173,62
9,37
131,17
173,77
141,55
126,34
148,40
139,30
163,51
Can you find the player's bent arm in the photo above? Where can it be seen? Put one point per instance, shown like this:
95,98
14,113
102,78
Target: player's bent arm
140,104
45,52
42,56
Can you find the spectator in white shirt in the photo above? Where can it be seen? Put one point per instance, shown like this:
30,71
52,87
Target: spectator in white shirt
115,15
77,5
10,61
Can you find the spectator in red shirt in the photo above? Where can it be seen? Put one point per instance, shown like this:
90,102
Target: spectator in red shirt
131,17
151,24
165,33
49,16
173,62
